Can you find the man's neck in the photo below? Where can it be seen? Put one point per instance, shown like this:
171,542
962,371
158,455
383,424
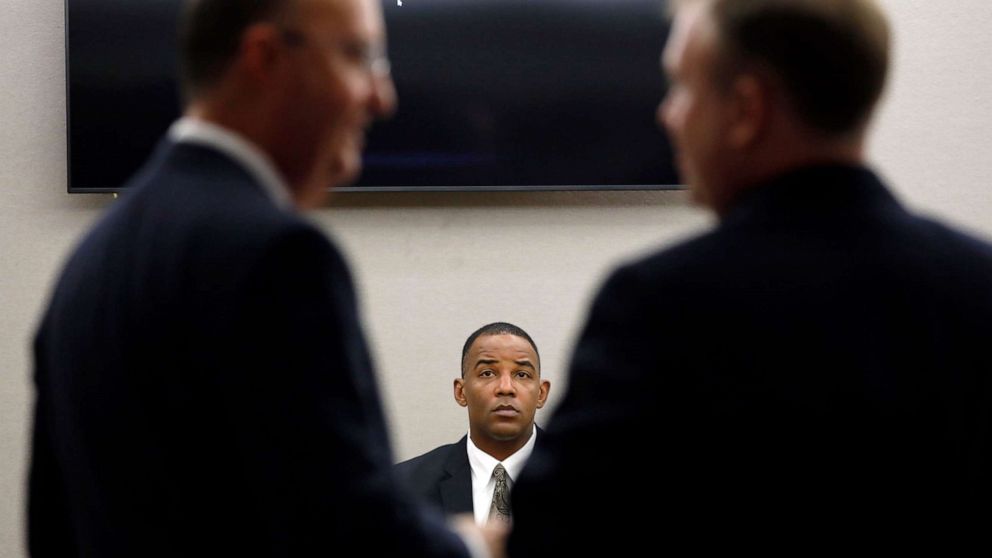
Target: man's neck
500,450
233,118
763,168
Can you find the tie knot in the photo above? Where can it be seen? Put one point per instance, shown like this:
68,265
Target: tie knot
499,473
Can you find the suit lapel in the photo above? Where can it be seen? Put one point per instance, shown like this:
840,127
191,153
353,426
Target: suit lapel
456,488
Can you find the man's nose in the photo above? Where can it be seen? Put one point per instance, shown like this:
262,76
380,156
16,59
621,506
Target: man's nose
382,102
661,116
505,386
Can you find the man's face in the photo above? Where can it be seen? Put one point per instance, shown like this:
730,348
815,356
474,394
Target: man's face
502,388
336,84
694,110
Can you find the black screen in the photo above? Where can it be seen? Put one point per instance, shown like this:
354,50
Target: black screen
493,94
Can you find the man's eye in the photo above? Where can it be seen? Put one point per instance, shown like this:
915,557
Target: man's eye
355,51
364,54
486,373
523,374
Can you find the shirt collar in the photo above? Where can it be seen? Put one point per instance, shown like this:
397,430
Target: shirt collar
255,161
483,464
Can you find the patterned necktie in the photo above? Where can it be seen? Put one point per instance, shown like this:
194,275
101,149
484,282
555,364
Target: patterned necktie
501,496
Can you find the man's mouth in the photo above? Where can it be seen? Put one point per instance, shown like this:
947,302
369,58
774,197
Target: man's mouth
506,411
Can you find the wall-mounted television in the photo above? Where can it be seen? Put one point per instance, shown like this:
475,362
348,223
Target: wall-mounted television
493,94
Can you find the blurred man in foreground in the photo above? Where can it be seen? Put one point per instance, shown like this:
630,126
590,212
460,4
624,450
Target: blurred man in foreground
811,368
203,384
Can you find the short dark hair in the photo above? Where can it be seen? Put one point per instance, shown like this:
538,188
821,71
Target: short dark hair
832,56
498,328
210,34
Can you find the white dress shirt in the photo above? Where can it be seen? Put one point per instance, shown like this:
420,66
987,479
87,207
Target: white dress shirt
483,483
245,153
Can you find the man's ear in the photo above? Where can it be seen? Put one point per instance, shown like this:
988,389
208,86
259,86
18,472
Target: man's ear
260,51
460,392
542,396
749,104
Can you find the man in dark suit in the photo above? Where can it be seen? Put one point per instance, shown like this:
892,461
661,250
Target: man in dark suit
502,389
203,384
816,364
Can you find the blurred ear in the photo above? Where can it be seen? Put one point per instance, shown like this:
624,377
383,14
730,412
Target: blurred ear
749,104
460,392
261,51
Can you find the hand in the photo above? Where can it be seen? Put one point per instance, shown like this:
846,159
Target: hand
493,535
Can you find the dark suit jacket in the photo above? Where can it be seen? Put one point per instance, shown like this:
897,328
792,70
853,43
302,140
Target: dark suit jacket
204,388
817,364
443,476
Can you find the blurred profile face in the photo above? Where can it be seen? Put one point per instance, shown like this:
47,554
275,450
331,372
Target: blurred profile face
336,83
694,111
502,389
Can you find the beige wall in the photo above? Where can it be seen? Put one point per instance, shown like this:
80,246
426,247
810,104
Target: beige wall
433,267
